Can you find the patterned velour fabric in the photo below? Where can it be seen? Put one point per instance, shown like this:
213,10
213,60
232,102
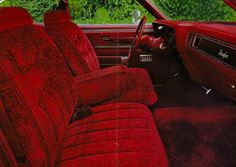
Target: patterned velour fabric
13,17
82,59
39,95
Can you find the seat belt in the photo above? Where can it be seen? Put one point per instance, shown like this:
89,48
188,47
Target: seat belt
85,111
10,134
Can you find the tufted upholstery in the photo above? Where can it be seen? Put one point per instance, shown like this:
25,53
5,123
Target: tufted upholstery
72,42
27,75
39,95
120,134
82,59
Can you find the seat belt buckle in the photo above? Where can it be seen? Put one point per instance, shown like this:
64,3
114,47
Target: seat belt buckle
81,113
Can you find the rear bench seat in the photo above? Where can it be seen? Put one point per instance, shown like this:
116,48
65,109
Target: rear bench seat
38,95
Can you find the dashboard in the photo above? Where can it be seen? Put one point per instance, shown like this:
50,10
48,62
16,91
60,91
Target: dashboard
162,39
207,49
165,32
221,51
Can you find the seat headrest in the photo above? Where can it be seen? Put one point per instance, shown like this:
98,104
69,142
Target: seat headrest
13,17
54,17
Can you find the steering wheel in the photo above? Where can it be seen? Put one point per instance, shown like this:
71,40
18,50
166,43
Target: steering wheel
136,41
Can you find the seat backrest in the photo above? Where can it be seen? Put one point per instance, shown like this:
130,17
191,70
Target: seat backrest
36,86
72,42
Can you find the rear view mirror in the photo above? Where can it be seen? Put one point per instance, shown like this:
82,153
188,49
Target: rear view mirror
136,17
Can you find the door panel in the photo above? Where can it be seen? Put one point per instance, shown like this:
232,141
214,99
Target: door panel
111,42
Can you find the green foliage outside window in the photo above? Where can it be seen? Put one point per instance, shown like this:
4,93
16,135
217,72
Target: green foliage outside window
197,10
105,11
36,7
120,11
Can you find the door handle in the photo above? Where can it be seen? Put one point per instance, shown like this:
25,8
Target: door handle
117,39
106,38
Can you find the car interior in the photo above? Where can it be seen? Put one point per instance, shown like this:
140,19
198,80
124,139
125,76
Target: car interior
146,95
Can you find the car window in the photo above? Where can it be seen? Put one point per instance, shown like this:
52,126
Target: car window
86,11
37,8
196,10
106,11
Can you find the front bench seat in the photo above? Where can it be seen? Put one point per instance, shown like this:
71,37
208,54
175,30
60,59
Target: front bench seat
82,59
37,95
122,134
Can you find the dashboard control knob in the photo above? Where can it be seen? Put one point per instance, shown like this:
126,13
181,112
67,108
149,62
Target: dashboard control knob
163,46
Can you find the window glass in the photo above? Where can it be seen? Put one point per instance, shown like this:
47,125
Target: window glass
37,8
196,10
106,11
121,11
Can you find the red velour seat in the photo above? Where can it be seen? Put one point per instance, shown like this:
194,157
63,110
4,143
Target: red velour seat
38,94
82,59
120,134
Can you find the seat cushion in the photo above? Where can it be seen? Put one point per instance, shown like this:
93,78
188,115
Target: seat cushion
140,88
81,57
37,91
116,84
37,94
121,134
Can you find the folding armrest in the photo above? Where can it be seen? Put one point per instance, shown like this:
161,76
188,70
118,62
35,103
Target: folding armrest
101,85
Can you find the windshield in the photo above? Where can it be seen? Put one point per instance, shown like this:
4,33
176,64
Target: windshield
196,10
86,11
121,12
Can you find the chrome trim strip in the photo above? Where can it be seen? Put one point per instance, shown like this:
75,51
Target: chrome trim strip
112,47
107,26
114,30
109,57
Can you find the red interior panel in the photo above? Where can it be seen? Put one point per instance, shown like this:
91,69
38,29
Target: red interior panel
203,68
111,42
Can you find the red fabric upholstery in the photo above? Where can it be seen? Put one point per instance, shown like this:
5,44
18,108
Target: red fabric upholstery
72,42
38,93
29,75
56,17
139,89
23,122
6,17
82,59
113,84
107,87
5,151
121,134
102,85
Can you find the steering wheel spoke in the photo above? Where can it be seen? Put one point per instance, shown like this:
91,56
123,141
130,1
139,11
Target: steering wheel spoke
136,41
